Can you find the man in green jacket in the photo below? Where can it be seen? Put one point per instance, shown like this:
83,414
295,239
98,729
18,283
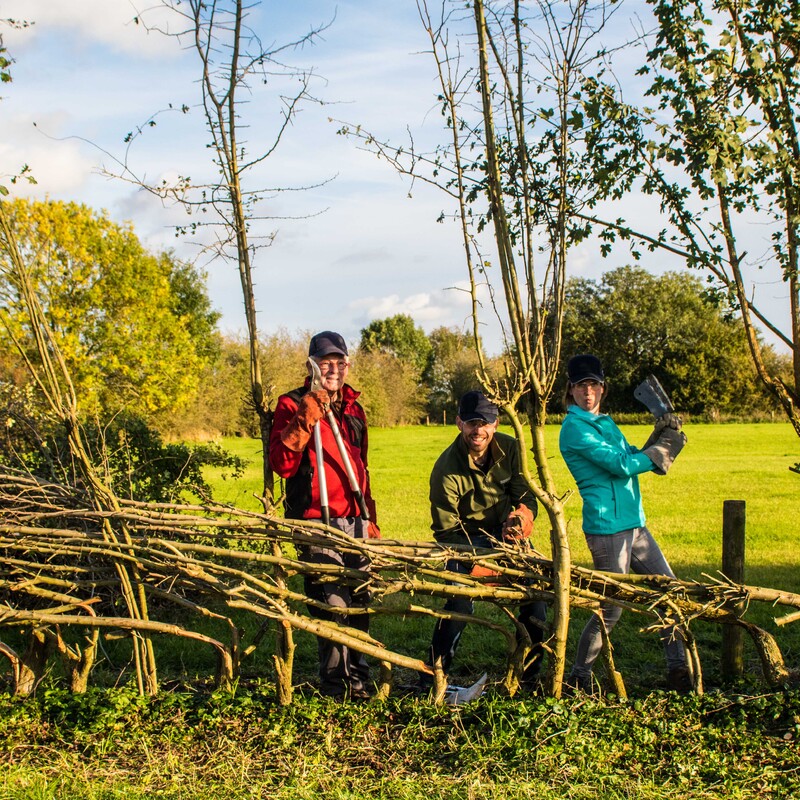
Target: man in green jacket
480,498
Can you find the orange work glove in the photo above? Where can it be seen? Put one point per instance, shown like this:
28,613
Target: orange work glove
373,531
479,571
310,410
519,524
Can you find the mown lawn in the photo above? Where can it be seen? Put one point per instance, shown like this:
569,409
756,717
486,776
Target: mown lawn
737,742
747,462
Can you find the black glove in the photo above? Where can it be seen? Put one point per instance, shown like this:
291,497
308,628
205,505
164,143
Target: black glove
665,450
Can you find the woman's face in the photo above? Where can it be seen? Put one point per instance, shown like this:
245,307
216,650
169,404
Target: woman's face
587,395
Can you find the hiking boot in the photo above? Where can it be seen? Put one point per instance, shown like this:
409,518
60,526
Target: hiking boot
359,691
679,680
578,683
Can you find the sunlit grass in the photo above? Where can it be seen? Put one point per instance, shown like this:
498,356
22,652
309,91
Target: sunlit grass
747,462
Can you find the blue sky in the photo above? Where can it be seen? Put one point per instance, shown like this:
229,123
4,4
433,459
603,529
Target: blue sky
86,70
85,75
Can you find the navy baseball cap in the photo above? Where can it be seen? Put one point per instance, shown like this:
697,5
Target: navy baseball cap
327,343
585,368
475,405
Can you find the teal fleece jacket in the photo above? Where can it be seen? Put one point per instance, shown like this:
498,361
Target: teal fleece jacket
605,467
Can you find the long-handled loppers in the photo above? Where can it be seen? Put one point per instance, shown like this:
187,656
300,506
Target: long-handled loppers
316,383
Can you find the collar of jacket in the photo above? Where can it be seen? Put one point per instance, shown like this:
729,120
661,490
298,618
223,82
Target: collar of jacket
582,414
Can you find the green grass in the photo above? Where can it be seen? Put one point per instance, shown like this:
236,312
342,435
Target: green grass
684,509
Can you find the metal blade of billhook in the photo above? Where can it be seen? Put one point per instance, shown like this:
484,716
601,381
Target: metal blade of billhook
650,393
658,389
316,375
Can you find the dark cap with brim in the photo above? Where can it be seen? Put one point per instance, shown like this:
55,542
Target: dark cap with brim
327,343
585,368
475,405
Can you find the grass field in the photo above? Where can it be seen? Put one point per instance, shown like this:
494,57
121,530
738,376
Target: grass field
190,743
747,462
684,509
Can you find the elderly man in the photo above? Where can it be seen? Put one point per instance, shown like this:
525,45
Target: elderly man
292,454
479,498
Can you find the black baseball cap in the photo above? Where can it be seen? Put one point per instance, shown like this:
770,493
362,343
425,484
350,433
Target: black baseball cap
327,343
475,405
585,368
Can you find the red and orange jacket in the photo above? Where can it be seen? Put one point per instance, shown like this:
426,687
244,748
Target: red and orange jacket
299,469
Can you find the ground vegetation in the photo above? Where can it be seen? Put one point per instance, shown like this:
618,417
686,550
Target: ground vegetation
186,744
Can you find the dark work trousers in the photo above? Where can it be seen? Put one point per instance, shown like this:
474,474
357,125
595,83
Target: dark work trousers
342,671
447,632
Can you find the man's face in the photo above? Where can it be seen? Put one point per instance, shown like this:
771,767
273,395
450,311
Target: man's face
334,368
587,395
477,434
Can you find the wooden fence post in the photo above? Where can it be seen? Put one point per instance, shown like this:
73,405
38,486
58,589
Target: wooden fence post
733,527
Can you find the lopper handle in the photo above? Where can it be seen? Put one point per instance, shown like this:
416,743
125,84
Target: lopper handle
322,479
351,476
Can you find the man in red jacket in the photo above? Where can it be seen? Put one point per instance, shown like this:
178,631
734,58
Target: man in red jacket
292,455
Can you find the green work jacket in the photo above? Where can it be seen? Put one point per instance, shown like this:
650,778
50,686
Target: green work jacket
605,467
466,502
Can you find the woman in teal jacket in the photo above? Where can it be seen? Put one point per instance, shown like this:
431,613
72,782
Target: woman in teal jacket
606,467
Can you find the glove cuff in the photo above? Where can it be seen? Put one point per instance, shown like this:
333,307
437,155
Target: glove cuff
295,436
666,449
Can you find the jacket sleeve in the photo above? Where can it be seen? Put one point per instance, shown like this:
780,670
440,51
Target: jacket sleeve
284,462
444,496
583,440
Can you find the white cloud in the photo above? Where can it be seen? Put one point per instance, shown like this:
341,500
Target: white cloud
60,167
450,307
84,22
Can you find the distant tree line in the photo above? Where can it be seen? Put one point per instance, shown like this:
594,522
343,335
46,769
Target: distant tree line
637,323
141,340
668,325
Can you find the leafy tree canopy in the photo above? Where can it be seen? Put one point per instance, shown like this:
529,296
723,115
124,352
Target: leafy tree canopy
451,370
639,323
135,328
398,336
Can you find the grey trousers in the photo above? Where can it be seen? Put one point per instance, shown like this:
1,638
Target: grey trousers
633,550
341,670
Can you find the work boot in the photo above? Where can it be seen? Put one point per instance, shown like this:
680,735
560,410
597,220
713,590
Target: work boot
360,694
679,680
577,683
